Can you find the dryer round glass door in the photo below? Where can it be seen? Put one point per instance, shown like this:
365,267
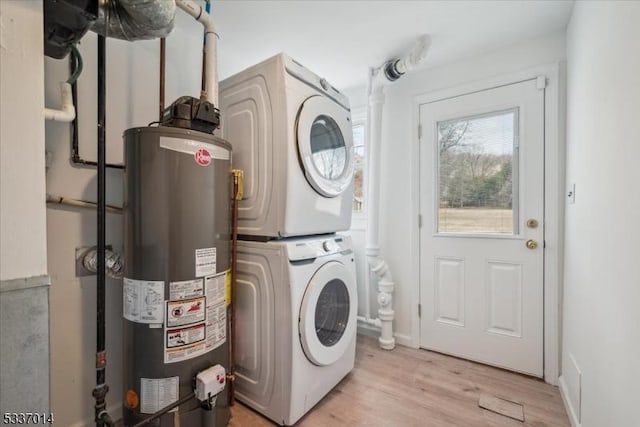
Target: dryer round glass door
325,145
328,314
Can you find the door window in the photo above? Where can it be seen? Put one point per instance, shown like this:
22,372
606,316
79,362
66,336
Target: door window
332,312
477,168
328,149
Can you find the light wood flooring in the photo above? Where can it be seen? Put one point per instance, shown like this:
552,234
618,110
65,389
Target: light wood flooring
408,387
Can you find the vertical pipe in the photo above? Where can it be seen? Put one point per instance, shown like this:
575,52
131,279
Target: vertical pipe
203,86
211,67
101,389
237,196
75,156
163,55
367,182
377,264
101,197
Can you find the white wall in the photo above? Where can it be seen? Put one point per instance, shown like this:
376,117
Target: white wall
132,100
22,187
24,285
398,221
602,274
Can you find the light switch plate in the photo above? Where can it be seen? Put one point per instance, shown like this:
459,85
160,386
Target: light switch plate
571,194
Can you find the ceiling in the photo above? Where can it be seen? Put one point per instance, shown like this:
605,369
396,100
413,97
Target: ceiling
339,40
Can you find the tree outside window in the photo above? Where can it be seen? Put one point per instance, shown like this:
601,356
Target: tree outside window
358,172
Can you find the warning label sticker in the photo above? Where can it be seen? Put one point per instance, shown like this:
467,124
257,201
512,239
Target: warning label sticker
185,312
186,289
216,310
157,393
143,301
197,325
184,343
185,336
205,262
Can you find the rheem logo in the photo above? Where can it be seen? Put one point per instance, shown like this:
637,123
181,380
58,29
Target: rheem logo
202,157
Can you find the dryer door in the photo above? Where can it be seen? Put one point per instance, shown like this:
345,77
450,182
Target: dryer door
328,314
325,145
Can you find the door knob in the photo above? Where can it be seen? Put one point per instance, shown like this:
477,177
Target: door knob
532,244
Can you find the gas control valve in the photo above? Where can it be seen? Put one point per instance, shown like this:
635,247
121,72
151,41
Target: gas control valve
210,382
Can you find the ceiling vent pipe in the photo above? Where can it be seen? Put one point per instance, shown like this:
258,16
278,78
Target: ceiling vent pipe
388,72
135,19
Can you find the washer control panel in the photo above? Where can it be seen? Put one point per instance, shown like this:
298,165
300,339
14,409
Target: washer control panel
319,247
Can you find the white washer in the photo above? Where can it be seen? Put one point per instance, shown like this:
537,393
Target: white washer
295,318
292,136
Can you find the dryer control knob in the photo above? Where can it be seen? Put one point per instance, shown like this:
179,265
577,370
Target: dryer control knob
325,84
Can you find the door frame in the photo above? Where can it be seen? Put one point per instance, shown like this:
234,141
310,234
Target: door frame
554,164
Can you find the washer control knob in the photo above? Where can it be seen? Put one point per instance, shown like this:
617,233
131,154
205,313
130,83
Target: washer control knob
325,84
328,245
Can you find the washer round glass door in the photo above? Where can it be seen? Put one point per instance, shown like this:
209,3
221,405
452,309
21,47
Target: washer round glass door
328,314
325,145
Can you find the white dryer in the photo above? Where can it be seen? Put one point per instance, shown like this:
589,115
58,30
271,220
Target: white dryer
292,136
295,317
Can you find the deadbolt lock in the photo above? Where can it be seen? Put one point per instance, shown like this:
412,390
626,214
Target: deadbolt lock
532,223
532,244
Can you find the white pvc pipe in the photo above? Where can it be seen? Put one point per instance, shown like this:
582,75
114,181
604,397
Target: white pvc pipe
372,322
416,56
67,111
367,132
211,65
377,264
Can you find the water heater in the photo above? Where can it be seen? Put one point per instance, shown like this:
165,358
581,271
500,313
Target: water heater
177,278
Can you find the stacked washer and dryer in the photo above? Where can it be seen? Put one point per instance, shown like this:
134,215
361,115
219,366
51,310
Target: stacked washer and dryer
295,291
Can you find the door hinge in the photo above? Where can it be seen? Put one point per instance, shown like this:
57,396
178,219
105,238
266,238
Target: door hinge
419,310
419,131
541,82
419,221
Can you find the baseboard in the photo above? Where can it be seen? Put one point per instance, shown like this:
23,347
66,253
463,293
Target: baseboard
573,418
114,410
374,331
404,340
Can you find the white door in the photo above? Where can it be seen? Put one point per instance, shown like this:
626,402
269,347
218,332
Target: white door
481,239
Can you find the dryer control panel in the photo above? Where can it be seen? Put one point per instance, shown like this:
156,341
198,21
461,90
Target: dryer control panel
301,250
303,74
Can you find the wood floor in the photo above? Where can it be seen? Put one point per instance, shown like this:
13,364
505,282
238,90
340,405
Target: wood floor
407,387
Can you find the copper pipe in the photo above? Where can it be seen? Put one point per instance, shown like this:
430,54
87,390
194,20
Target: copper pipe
237,196
163,55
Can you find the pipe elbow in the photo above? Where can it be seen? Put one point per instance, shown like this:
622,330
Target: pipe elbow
67,111
64,115
198,13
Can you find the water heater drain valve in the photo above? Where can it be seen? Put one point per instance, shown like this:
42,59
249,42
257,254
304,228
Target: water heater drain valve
210,382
